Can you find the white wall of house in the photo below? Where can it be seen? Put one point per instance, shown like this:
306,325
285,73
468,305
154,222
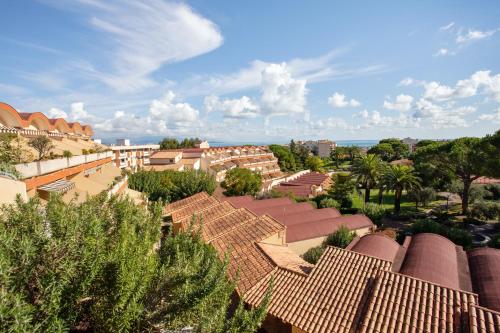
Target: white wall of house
10,189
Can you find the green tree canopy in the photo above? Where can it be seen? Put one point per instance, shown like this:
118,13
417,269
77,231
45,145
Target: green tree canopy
241,181
342,189
93,267
314,163
42,144
170,185
172,143
399,178
390,149
366,169
286,159
466,159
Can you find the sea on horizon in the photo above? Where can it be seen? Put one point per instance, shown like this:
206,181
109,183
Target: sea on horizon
340,143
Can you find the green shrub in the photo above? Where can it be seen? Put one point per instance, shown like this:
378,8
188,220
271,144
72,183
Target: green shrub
374,212
329,203
67,154
495,241
313,254
457,236
169,186
486,210
340,238
494,190
241,181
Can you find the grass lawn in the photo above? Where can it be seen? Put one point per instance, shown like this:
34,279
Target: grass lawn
387,202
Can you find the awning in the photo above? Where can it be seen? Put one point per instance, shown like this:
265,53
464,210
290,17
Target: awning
59,186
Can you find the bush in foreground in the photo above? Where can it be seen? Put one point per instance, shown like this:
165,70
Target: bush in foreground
169,186
241,181
93,267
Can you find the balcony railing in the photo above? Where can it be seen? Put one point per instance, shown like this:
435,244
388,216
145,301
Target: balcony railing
38,168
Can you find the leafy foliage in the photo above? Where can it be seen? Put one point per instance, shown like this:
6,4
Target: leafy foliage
399,178
171,143
374,212
329,203
457,236
313,254
342,189
171,185
367,169
390,149
11,150
241,181
314,163
340,238
93,267
422,195
486,210
286,159
42,144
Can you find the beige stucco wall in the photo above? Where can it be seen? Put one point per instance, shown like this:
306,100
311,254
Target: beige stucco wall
10,189
302,246
276,239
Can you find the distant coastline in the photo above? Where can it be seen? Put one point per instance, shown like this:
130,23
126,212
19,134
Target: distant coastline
340,143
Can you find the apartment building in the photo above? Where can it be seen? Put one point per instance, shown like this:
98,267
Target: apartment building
132,157
321,148
218,160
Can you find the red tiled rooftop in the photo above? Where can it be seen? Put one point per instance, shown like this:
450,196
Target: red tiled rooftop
309,216
484,266
376,245
238,201
433,258
278,212
321,228
266,203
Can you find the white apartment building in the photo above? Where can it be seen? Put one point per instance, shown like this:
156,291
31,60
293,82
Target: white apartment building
320,147
131,157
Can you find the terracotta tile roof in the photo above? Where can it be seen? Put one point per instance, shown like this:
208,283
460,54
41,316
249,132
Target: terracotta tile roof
238,201
247,263
483,320
433,258
376,245
224,224
165,154
264,203
309,216
400,303
189,210
278,212
207,215
485,273
282,256
168,209
254,230
286,291
331,298
320,228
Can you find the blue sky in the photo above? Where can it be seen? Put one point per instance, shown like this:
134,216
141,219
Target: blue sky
256,70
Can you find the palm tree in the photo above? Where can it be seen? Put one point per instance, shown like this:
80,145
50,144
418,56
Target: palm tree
399,178
367,170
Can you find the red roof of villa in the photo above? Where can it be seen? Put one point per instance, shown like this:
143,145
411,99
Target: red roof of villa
376,245
40,121
484,266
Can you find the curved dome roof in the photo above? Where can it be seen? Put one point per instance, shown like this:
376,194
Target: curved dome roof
9,117
484,264
377,245
432,258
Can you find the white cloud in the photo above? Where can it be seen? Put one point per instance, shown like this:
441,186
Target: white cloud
315,69
402,103
165,117
56,113
490,85
447,27
473,35
338,100
443,52
439,116
78,113
243,107
491,117
408,81
142,36
282,94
